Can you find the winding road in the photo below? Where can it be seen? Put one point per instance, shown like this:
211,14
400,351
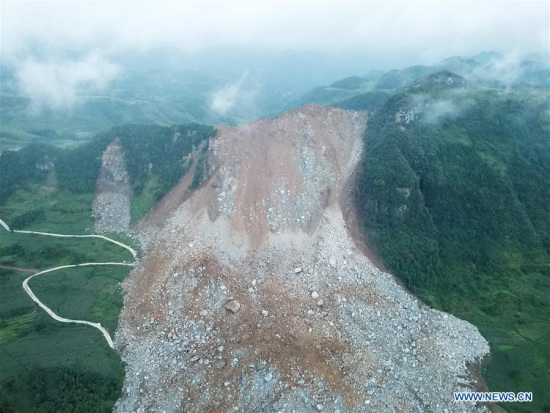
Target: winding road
44,306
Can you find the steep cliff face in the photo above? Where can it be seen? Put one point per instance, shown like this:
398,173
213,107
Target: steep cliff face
253,297
111,207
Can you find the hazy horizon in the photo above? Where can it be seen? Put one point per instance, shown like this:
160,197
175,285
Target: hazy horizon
60,52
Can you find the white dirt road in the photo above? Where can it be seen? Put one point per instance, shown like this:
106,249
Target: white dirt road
44,306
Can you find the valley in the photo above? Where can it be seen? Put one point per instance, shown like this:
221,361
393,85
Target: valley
279,258
37,273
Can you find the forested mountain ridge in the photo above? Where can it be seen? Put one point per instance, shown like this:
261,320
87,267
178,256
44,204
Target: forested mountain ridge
489,69
455,193
46,367
156,158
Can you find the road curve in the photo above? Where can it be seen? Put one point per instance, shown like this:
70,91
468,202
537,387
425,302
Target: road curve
44,306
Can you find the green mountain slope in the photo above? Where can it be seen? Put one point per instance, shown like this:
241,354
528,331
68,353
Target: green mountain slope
46,366
338,93
456,198
156,158
488,69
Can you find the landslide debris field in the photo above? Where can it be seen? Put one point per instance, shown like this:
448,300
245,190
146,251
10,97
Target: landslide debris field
253,297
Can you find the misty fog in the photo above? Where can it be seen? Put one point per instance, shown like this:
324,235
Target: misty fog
241,55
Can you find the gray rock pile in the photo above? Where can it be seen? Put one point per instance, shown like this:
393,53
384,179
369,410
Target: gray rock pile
111,207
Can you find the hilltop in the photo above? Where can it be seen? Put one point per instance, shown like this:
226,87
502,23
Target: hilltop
252,294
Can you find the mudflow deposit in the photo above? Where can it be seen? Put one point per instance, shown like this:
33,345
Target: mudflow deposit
253,297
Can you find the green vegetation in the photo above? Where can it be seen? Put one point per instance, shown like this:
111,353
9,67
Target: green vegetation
20,167
60,390
349,93
200,170
370,101
47,366
156,158
35,349
457,204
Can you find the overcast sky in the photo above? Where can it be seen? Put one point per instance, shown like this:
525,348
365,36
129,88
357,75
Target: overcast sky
431,30
65,51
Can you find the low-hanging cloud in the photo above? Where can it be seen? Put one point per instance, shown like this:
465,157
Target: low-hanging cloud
435,110
60,84
508,70
225,98
425,31
233,96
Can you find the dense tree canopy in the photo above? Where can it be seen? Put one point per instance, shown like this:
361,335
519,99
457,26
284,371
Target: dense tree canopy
456,198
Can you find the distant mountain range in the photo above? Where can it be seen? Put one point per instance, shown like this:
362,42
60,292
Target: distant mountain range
489,69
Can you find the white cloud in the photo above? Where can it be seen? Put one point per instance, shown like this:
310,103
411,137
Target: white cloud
225,98
234,96
63,83
40,39
434,110
432,30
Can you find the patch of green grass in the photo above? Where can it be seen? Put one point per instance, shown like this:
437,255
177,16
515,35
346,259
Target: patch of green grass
83,293
17,326
143,202
512,311
40,357
505,347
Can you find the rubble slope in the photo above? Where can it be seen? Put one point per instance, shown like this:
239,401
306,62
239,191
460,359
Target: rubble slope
111,207
254,298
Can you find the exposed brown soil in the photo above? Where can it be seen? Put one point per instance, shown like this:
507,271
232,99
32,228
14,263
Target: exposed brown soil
29,271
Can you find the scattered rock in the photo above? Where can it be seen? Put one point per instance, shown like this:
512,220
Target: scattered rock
315,295
233,306
265,313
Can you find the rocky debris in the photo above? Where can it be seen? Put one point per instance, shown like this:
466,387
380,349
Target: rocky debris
233,306
265,313
366,345
111,206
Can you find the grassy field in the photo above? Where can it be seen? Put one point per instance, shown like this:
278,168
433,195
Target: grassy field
47,366
512,311
143,202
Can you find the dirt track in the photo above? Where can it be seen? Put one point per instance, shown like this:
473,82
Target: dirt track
23,270
34,273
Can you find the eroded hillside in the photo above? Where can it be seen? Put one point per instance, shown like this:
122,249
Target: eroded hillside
253,296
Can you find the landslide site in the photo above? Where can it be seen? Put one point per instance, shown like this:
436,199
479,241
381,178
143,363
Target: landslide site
252,295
